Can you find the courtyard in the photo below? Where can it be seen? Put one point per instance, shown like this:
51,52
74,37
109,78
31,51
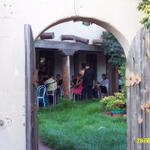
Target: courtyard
81,126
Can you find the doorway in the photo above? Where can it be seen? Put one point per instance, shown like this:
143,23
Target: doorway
132,86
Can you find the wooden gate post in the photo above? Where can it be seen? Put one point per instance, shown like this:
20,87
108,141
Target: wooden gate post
66,76
31,107
138,92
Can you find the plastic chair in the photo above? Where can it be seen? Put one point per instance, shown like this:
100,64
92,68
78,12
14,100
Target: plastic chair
51,93
41,95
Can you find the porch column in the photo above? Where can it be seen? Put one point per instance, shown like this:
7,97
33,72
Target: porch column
66,76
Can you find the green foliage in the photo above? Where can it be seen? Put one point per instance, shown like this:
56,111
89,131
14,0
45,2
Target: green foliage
120,96
113,51
114,102
81,127
123,72
114,105
144,6
107,99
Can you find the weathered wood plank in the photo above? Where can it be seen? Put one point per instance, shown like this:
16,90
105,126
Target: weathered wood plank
31,112
138,63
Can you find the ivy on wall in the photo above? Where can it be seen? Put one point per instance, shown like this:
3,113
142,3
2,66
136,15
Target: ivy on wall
144,6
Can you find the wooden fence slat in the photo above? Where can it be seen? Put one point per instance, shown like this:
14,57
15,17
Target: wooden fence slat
138,63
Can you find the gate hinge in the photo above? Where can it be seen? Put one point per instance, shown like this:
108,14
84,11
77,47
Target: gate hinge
133,79
147,107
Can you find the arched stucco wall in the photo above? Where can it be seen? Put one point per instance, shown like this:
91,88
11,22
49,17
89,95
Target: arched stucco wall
121,38
122,19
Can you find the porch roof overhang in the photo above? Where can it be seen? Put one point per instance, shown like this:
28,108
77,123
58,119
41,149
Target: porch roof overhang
67,48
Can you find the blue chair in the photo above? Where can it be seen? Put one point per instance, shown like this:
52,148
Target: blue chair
41,95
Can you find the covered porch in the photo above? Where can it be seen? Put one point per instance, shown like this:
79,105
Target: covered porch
66,58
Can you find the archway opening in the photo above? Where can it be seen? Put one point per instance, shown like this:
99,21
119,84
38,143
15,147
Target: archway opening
119,36
91,56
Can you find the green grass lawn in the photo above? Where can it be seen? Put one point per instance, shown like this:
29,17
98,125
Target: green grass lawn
81,126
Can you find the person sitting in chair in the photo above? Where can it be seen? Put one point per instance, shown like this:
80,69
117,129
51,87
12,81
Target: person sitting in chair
59,81
51,85
104,85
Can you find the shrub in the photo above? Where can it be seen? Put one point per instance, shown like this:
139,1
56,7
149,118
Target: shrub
116,102
114,105
107,99
120,96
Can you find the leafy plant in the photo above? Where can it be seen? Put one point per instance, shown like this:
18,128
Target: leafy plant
114,102
122,72
120,96
107,99
144,6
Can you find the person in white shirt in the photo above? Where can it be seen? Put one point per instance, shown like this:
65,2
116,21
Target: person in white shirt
51,85
104,85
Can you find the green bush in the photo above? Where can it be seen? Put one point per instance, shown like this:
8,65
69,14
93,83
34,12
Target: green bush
114,105
114,102
120,96
107,99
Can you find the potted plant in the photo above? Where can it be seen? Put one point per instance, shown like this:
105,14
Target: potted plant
105,101
114,105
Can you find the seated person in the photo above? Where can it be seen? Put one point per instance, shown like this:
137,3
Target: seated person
77,88
51,87
104,85
73,81
59,81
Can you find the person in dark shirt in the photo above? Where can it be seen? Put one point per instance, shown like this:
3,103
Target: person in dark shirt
88,79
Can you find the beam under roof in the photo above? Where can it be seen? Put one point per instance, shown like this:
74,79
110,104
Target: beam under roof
68,48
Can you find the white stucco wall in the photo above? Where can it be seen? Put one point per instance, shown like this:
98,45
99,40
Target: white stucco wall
119,16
